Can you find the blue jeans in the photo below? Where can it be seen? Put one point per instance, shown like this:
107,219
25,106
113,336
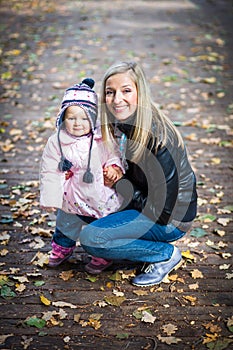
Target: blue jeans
129,235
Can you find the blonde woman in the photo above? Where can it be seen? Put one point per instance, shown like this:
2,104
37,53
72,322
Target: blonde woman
159,185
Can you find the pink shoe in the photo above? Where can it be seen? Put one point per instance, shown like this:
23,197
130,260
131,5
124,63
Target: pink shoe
59,254
97,265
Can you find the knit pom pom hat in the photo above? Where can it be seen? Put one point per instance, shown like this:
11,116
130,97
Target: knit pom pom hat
80,95
83,96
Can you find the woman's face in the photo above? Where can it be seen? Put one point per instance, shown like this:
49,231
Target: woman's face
121,96
76,121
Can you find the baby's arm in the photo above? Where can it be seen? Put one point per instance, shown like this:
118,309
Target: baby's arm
112,174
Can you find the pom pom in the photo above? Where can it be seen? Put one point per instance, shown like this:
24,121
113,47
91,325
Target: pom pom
88,81
64,164
88,177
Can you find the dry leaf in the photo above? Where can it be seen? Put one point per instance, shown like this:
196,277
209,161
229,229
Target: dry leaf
40,259
224,267
63,304
118,293
193,286
140,292
66,339
77,317
20,287
210,338
114,300
190,298
223,221
66,275
169,340
147,317
196,274
3,337
213,328
169,328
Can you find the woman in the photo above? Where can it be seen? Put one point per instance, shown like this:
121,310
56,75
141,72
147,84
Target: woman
159,185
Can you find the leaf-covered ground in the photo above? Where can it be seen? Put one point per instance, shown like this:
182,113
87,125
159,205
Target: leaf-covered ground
185,48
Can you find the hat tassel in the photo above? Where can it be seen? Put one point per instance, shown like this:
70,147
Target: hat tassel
64,164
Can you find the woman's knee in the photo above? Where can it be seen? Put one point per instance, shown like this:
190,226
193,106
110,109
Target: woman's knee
91,237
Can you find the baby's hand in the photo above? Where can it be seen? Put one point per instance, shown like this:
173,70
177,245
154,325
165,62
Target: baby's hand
112,174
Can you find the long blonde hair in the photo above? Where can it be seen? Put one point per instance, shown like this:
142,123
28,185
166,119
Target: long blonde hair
150,123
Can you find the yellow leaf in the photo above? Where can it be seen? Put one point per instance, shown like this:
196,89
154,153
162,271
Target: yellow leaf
215,161
186,254
210,80
210,338
94,323
190,298
14,52
191,137
45,301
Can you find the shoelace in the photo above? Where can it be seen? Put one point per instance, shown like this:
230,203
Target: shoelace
149,268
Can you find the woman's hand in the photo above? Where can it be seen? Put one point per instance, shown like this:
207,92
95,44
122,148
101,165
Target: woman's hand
112,174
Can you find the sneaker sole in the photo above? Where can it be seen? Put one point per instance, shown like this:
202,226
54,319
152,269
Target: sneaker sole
55,264
156,283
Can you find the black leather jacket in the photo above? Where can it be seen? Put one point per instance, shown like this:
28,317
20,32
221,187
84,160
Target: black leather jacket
162,186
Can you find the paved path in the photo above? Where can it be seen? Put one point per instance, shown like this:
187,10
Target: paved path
185,48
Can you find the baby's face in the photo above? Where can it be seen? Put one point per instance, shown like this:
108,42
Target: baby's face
76,121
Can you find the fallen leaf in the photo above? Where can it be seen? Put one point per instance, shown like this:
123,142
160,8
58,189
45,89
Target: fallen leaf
122,336
77,317
147,317
45,301
169,340
66,275
140,292
63,304
20,287
190,298
94,323
230,324
215,161
35,322
66,339
224,266
114,300
196,274
169,328
193,286
186,254
223,221
3,337
118,293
